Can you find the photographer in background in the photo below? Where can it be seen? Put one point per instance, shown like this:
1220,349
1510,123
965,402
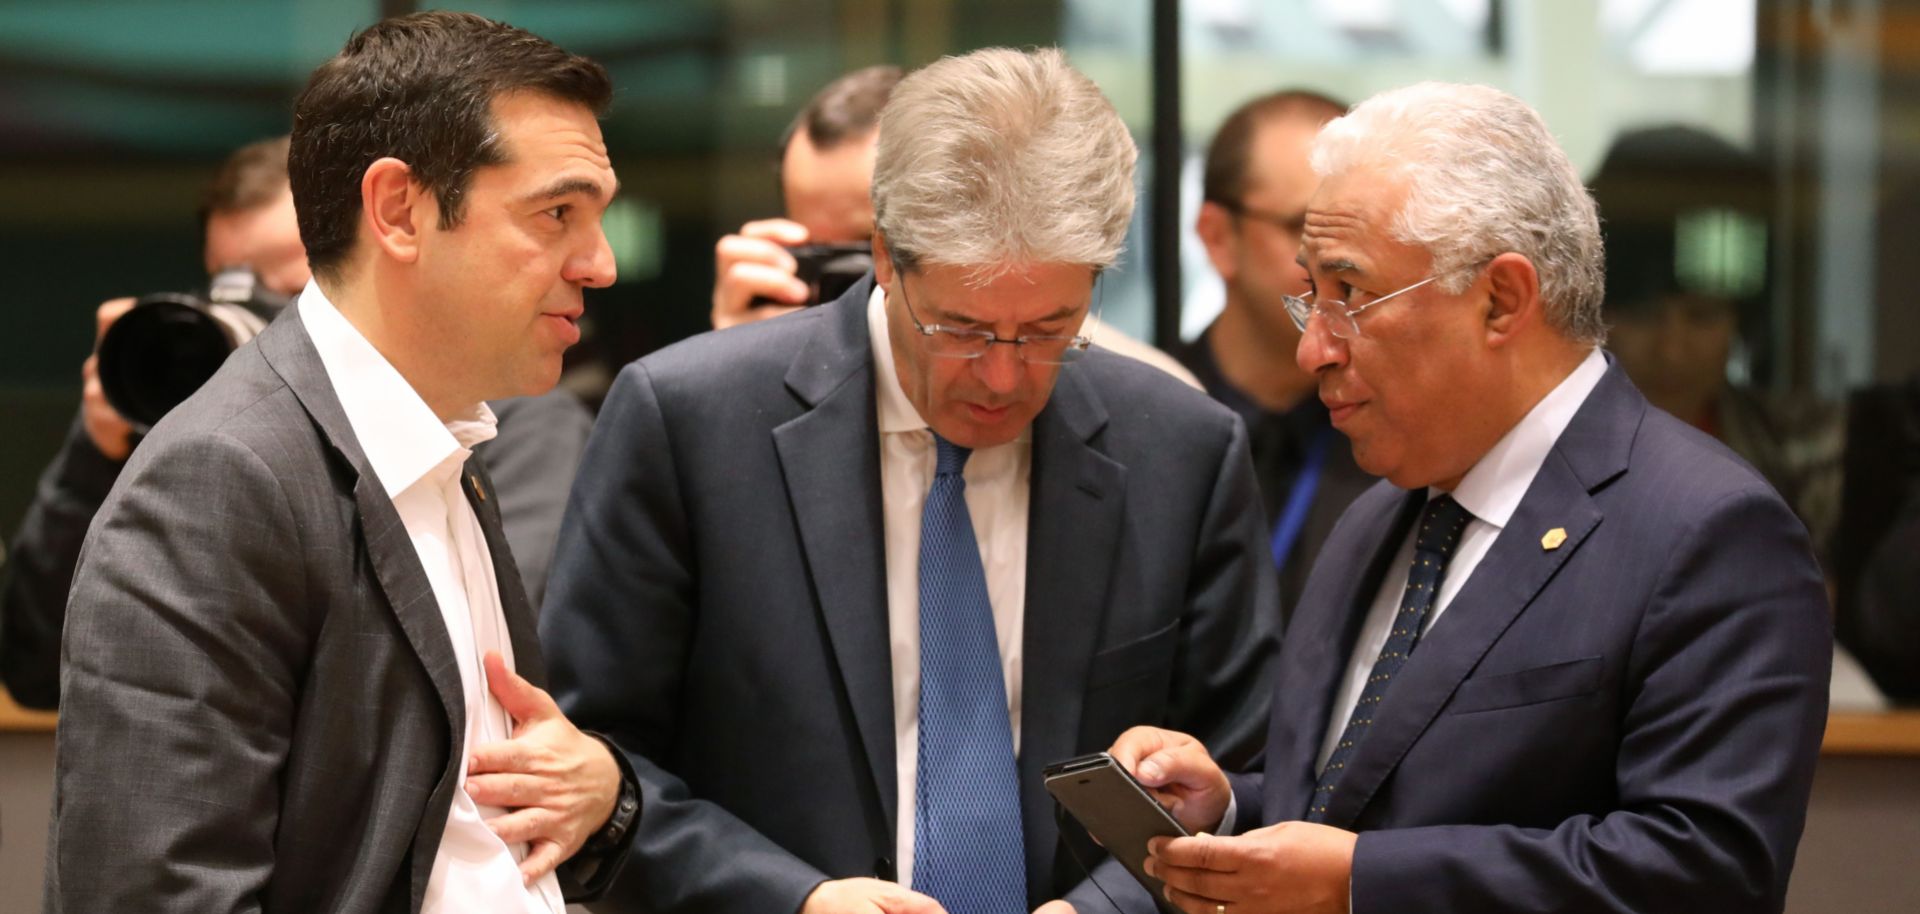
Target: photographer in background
1255,189
248,220
826,164
825,171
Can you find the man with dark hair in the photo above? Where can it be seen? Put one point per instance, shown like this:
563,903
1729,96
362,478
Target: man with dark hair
826,156
247,220
246,216
825,165
1255,191
846,109
299,671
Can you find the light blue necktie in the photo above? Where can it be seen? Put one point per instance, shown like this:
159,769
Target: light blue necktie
968,852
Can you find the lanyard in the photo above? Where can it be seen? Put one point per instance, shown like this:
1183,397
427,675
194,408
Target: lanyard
1293,517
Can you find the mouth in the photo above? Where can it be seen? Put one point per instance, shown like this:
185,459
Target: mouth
566,323
987,415
1340,410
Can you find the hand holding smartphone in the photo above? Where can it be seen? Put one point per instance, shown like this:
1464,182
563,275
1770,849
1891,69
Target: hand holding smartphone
1114,809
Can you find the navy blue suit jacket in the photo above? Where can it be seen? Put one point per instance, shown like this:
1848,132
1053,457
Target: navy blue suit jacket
1625,723
718,602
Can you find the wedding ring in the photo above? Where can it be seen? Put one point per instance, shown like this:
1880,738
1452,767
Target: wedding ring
1219,909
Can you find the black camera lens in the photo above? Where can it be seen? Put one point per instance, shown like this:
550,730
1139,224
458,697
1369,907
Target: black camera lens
158,354
168,344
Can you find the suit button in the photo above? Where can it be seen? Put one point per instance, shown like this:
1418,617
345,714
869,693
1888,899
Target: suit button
883,868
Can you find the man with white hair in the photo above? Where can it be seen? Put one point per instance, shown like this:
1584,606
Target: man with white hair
841,583
1572,655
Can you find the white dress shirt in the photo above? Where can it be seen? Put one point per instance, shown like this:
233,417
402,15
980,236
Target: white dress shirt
418,460
997,496
1491,491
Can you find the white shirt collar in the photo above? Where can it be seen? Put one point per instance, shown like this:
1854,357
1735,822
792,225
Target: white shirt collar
896,411
402,438
1493,488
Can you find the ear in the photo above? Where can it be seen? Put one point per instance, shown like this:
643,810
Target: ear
1215,228
392,209
882,260
1513,298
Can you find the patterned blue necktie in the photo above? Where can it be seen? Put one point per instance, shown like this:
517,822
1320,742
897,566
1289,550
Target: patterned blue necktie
1440,527
968,852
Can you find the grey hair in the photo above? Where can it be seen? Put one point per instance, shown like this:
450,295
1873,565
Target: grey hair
1002,158
1484,177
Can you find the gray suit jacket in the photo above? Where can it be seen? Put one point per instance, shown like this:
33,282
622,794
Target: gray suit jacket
261,707
718,605
531,461
1623,721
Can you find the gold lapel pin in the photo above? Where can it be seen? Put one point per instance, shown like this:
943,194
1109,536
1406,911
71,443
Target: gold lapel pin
1553,539
482,493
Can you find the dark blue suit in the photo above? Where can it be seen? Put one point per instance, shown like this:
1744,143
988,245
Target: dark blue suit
1628,722
718,602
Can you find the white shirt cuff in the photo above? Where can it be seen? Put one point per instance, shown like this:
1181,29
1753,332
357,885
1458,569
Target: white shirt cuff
1227,821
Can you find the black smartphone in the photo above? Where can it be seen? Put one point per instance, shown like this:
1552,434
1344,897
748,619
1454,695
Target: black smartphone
1114,809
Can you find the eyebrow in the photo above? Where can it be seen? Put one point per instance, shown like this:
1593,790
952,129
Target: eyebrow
565,187
948,317
1330,265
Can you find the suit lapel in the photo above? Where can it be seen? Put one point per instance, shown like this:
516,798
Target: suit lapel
1590,452
830,457
1320,640
522,629
396,566
1076,506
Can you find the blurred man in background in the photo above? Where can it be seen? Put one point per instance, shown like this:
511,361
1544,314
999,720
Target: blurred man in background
1255,191
1688,282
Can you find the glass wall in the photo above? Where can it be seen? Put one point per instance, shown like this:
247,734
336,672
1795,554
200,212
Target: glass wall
113,114
1758,163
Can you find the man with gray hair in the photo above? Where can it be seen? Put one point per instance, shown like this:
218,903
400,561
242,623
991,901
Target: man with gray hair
1622,635
841,583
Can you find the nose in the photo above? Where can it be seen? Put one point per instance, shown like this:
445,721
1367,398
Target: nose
593,265
999,369
1319,350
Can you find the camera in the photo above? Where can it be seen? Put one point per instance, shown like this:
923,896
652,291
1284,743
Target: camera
829,270
169,343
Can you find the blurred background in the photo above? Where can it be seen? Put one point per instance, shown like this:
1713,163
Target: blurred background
115,113
1760,158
